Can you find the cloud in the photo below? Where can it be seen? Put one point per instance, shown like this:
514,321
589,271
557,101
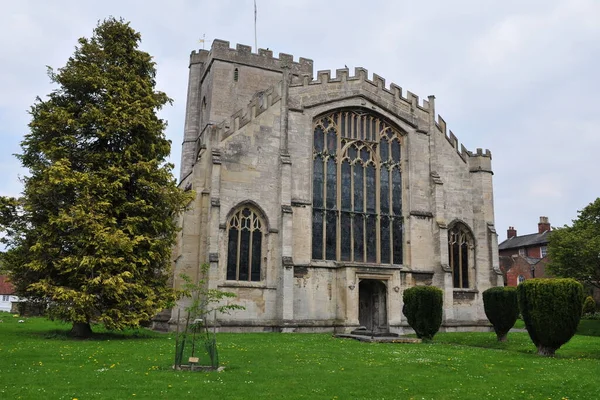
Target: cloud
519,78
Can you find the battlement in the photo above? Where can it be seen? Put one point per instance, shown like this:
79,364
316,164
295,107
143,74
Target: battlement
242,54
394,91
451,138
260,102
481,153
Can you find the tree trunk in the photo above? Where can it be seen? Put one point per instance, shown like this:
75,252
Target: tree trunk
81,330
502,338
546,351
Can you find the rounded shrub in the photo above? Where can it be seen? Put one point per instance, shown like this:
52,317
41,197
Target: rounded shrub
589,306
501,308
423,310
551,310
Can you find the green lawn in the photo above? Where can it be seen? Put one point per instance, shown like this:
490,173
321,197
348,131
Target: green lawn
38,362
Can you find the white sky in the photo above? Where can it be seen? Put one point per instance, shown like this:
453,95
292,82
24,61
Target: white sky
517,77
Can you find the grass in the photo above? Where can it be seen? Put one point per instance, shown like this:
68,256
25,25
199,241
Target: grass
38,361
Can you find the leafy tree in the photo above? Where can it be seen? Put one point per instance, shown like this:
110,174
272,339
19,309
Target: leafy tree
204,302
92,234
9,207
574,251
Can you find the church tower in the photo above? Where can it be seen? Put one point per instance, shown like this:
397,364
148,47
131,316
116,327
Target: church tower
223,81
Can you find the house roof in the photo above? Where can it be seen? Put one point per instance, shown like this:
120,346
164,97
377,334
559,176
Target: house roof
5,286
534,239
532,260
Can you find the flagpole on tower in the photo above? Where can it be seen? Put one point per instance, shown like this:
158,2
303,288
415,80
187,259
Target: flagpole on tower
255,41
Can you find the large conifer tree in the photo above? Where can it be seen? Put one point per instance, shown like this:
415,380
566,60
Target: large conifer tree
97,223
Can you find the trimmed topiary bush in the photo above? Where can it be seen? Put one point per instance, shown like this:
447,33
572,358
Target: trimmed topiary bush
501,308
589,306
423,310
551,309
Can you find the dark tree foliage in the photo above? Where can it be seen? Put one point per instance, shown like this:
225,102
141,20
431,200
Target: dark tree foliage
92,234
574,251
551,309
501,308
423,310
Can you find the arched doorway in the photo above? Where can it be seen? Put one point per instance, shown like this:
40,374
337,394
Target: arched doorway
372,305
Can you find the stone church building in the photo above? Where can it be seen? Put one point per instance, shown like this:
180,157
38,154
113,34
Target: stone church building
319,200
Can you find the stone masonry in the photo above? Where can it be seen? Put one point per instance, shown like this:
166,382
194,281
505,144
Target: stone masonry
248,142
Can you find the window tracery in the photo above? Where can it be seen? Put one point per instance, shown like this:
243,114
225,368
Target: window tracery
244,246
357,189
460,245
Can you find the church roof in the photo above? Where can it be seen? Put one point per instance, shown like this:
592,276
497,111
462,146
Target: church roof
5,286
533,239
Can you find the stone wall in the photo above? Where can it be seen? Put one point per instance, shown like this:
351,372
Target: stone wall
252,144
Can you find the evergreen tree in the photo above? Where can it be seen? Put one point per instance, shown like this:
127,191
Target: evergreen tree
96,223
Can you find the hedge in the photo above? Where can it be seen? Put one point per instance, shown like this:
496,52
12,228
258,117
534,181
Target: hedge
501,308
589,306
551,309
423,310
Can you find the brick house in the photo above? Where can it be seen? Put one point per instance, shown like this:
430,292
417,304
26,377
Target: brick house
524,257
7,297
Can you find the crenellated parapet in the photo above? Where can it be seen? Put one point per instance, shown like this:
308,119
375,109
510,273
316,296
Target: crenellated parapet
320,88
392,94
260,102
480,161
242,54
405,104
461,150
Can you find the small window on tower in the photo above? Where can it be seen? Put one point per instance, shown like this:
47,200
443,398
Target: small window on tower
236,75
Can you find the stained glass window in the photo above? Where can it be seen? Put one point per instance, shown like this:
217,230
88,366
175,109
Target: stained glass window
460,243
244,246
357,189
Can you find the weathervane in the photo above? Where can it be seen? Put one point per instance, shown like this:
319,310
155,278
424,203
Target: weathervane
203,40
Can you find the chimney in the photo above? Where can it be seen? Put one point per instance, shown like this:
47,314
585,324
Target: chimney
511,232
543,225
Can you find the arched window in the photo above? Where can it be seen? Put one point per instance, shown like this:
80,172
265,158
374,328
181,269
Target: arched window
236,75
357,189
244,246
460,245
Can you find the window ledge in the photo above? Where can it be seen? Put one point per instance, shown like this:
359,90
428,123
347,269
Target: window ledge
322,264
459,290
350,264
367,265
238,284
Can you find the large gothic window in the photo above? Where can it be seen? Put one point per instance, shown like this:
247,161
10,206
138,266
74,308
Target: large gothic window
357,189
244,244
460,243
